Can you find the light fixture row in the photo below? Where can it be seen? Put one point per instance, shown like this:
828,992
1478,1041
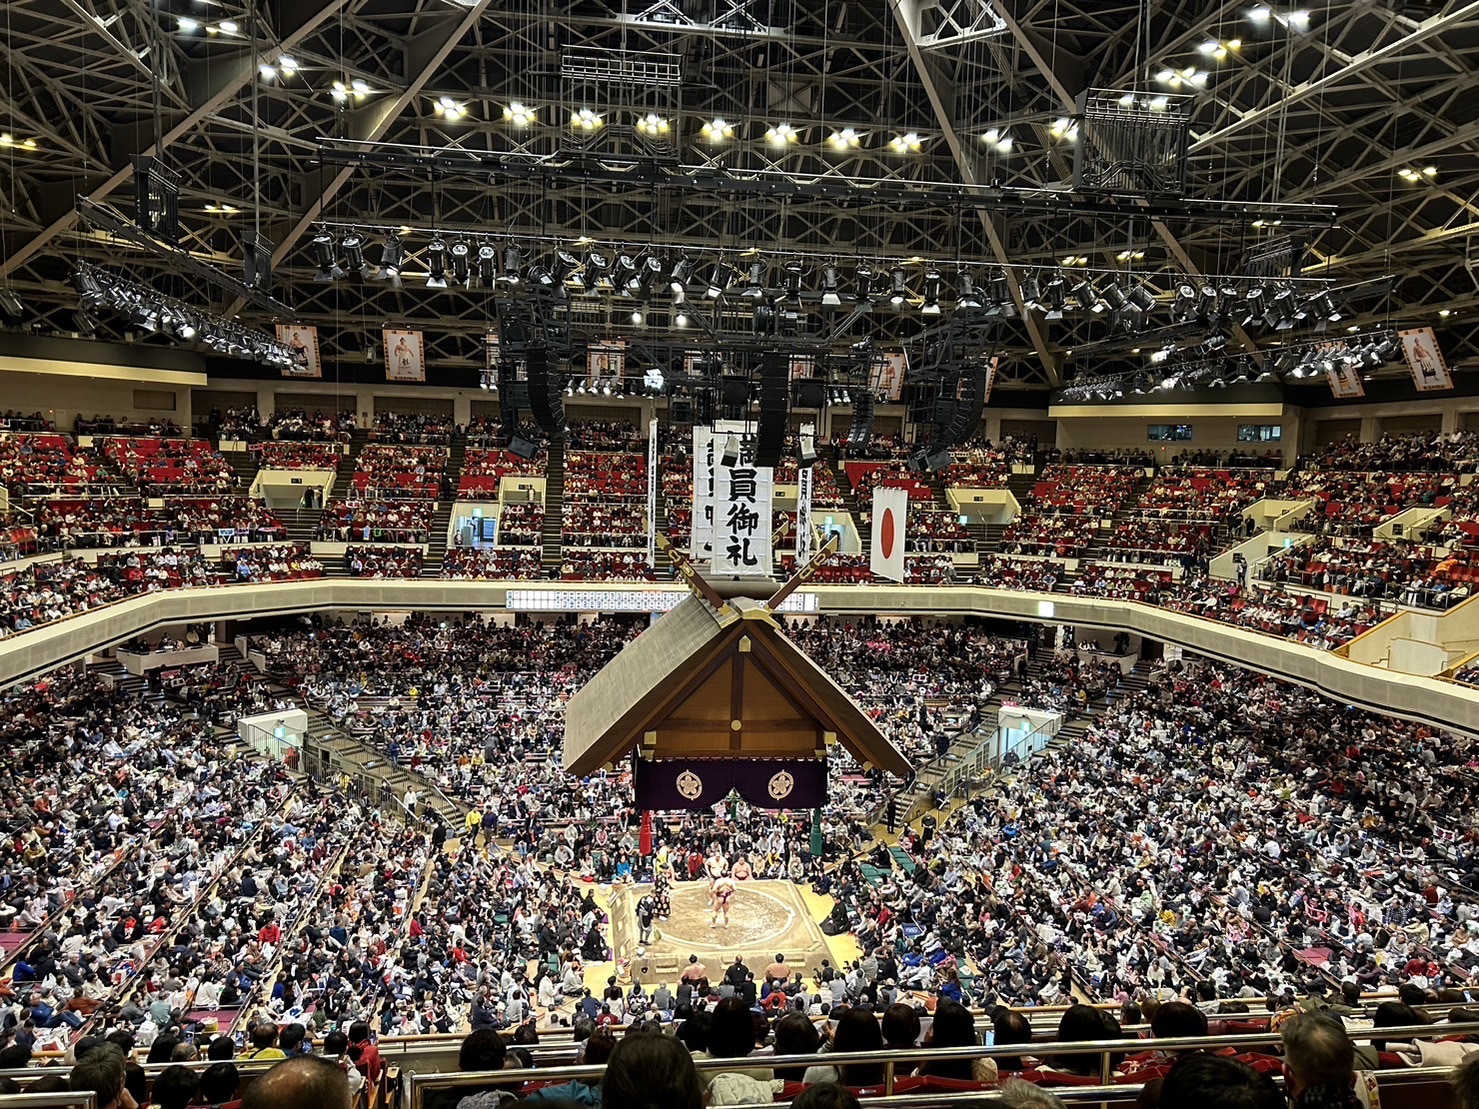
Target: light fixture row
1210,365
152,311
1126,301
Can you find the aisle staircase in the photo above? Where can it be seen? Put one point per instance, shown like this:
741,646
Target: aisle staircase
455,460
344,472
363,762
1098,548
244,465
436,547
129,684
301,524
918,796
850,499
554,506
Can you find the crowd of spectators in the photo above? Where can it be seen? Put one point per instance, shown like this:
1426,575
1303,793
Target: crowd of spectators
15,420
484,467
382,562
1202,494
296,455
18,537
1155,540
1234,459
1303,617
41,592
36,464
377,521
398,472
492,563
604,522
412,427
237,423
854,569
278,562
297,423
1067,506
1391,570
606,435
1122,583
66,523
1245,838
934,529
1217,838
1352,502
228,519
164,466
605,494
485,431
1005,572
1414,452
520,524
630,564
111,425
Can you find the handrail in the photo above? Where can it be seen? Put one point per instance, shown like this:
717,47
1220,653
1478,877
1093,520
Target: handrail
417,1084
1129,1092
82,1099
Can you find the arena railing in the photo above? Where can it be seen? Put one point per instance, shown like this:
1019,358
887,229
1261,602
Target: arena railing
417,1084
62,1099
1415,697
370,1097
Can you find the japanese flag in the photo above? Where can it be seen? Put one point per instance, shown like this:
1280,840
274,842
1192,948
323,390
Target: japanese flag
890,511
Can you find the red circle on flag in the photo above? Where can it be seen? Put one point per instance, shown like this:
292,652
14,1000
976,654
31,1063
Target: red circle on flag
889,528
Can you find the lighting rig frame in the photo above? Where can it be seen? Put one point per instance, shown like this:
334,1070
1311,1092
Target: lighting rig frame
98,288
105,218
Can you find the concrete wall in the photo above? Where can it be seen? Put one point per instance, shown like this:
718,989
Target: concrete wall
1103,431
61,398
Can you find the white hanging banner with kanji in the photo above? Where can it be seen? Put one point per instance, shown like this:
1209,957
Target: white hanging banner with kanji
708,449
803,517
744,496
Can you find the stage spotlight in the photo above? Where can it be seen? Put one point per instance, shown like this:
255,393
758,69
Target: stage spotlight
563,268
648,272
794,271
353,246
625,277
678,278
597,270
967,297
1056,296
323,254
1254,302
461,271
513,262
897,293
755,281
1184,306
487,264
731,454
392,259
719,278
436,264
931,305
1283,310
830,296
1031,291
